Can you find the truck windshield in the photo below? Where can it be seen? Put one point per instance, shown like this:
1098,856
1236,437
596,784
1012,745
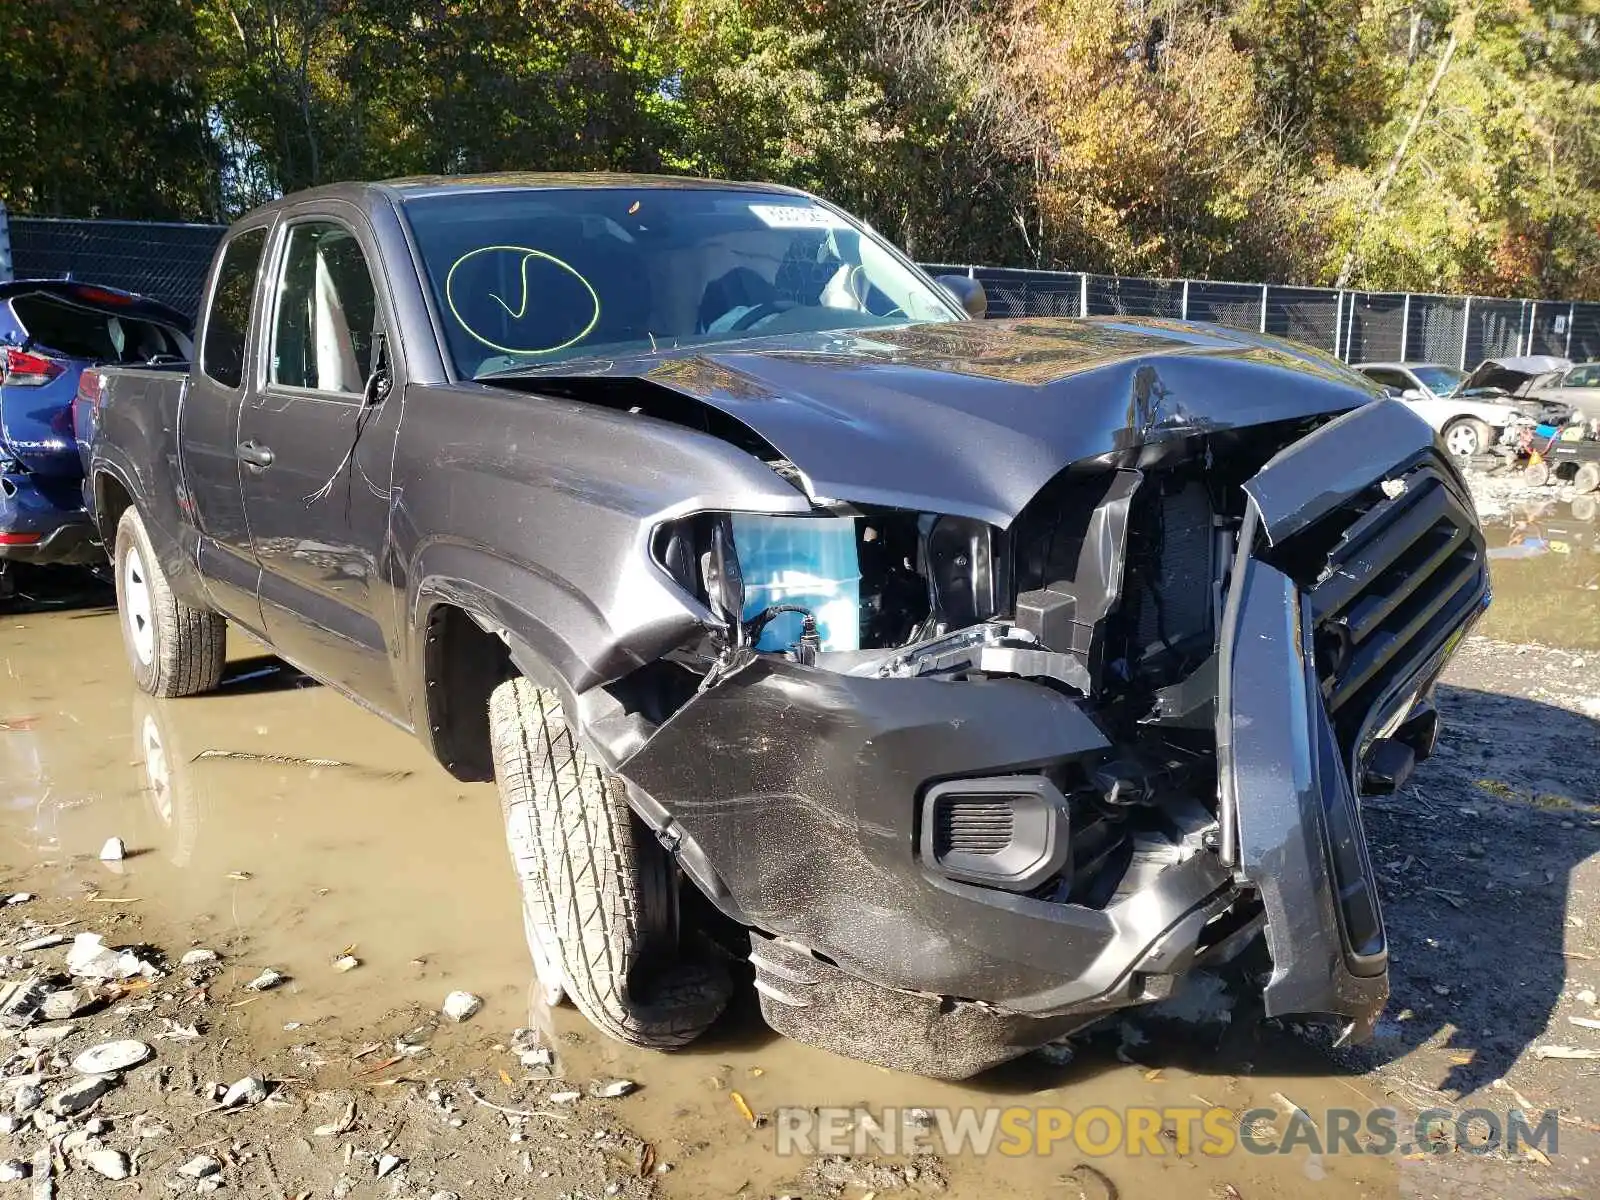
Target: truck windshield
525,277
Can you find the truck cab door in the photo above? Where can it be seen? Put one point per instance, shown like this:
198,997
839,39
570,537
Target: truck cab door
316,449
208,426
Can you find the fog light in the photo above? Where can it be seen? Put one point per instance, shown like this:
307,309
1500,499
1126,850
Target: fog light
1008,832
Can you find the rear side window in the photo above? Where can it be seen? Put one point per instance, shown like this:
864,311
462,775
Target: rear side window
1586,376
327,312
77,331
222,357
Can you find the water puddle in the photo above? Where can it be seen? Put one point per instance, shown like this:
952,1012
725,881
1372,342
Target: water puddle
1545,564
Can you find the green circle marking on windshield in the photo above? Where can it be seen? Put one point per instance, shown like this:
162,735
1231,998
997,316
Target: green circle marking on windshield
519,309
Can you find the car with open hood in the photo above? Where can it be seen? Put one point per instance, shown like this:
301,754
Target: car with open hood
962,681
1467,425
1523,380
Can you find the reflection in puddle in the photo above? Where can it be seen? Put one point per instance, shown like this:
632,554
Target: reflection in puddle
1545,564
240,842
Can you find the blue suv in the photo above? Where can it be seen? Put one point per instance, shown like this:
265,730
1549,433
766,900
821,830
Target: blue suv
51,332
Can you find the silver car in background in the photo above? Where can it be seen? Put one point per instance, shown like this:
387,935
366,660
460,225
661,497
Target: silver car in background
1468,425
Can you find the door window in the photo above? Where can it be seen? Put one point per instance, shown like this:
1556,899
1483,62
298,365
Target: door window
1389,378
327,312
1587,375
222,357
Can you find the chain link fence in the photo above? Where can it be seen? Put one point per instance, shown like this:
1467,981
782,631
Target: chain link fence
1356,326
169,262
166,262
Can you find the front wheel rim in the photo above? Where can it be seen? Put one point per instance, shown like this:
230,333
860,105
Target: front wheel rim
138,612
1462,440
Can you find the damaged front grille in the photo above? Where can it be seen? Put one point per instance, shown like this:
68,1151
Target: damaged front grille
1400,580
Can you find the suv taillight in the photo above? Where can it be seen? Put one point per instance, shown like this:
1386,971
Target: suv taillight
23,368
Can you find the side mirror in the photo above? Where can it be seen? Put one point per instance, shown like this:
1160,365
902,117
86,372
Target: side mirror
1412,394
968,293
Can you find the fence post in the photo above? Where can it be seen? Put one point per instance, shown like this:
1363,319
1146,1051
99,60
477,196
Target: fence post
5,247
1466,331
1184,314
1405,326
1263,308
1572,315
1338,319
1083,294
1522,327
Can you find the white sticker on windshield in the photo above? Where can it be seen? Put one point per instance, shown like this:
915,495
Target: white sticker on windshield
797,216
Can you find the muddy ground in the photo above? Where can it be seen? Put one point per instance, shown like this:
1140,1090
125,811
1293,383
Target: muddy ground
238,842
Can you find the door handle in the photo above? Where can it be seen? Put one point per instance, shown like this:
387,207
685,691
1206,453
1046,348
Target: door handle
255,454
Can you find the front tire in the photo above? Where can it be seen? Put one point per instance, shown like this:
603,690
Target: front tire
1467,437
599,892
173,648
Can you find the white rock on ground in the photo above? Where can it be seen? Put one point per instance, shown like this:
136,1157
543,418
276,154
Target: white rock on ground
12,1170
65,1003
200,1166
249,1090
198,958
113,851
266,981
459,1006
27,1098
113,1164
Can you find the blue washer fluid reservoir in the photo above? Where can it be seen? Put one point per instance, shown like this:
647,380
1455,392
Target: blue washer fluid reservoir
809,561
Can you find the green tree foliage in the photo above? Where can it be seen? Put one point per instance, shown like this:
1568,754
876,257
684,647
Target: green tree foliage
102,110
1425,144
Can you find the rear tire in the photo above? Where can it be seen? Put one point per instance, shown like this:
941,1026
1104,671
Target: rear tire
599,892
1587,479
173,648
1537,474
1466,437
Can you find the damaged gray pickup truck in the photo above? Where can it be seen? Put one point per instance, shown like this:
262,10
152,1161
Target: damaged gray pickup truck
967,680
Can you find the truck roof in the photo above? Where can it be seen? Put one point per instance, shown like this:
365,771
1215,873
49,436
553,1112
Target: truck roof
365,192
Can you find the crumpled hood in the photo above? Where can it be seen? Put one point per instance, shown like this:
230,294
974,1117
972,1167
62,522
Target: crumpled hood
972,418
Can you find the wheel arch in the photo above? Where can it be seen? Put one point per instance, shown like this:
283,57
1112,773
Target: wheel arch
112,497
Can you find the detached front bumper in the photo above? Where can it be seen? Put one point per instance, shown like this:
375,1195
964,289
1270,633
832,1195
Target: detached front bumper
796,797
1334,634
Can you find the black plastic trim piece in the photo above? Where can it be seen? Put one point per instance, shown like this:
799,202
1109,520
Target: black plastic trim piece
1037,834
